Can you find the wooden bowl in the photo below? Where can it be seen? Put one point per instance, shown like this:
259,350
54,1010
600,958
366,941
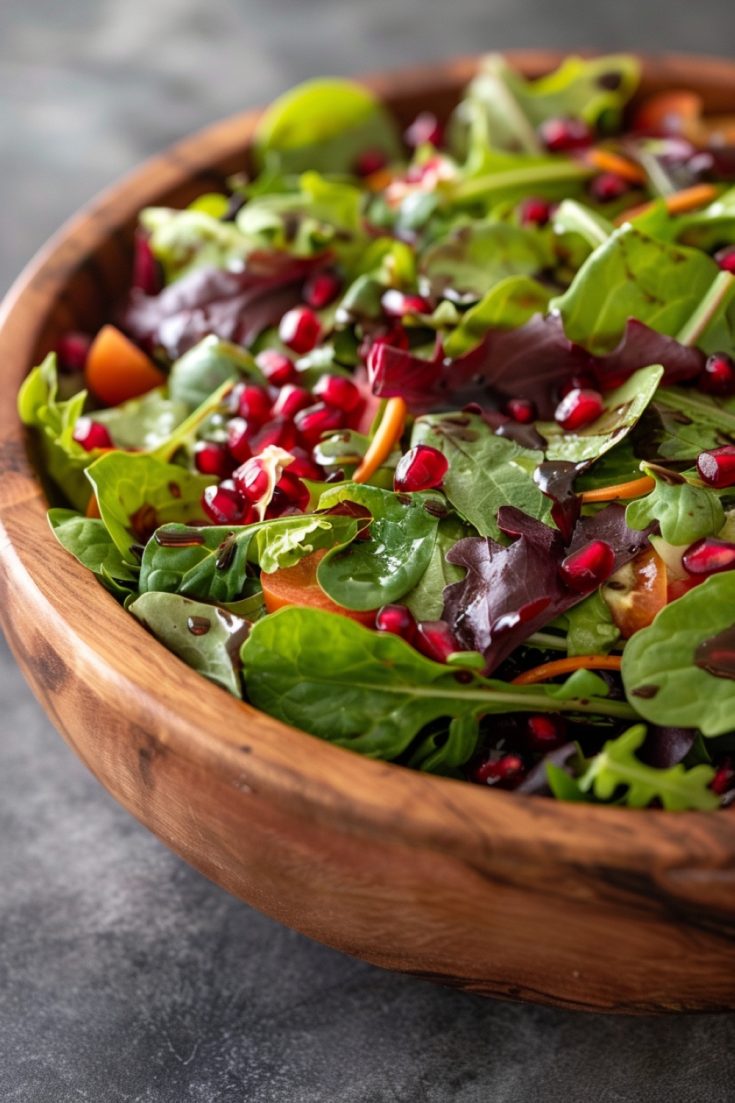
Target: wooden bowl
586,907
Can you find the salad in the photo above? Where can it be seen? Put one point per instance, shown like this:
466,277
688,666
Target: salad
423,441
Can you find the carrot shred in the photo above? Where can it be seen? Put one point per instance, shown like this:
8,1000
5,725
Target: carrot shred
92,510
634,489
386,437
679,203
546,671
606,161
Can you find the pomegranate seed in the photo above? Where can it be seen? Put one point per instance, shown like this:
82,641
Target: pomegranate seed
212,459
146,269
278,368
251,479
304,466
726,259
396,304
718,377
545,732
504,772
290,399
280,431
253,402
300,329
521,410
72,350
321,289
91,434
370,161
586,568
223,505
313,422
534,211
424,130
562,135
397,619
608,187
337,391
717,468
709,556
434,638
724,778
579,407
294,490
238,439
422,468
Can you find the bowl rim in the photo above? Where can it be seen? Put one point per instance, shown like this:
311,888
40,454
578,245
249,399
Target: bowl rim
250,748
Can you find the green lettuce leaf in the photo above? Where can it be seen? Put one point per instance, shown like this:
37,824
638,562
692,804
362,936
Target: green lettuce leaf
90,543
206,367
509,304
685,511
426,599
476,256
143,423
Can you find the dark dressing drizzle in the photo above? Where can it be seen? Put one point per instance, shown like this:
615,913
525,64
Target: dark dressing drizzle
717,654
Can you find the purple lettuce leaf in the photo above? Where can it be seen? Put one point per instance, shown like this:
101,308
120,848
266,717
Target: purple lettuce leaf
510,592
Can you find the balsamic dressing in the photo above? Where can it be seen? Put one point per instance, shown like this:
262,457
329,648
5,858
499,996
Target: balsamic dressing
716,655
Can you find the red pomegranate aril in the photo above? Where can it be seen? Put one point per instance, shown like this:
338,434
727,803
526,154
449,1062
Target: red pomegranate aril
211,458
588,567
300,329
724,778
521,410
290,399
534,211
279,431
422,468
91,434
545,732
72,350
370,161
304,466
293,489
717,468
563,135
424,130
278,368
251,479
397,304
253,403
146,269
709,556
397,619
321,289
313,422
223,505
337,391
578,408
718,377
504,772
726,259
607,187
434,638
239,432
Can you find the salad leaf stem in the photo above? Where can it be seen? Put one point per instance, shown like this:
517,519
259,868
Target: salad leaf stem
709,307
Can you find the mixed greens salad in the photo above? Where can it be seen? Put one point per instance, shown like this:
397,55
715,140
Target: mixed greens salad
424,441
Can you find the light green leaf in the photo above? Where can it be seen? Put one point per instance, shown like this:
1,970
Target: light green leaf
590,627
507,305
90,543
189,239
143,423
206,367
685,512
477,255
689,422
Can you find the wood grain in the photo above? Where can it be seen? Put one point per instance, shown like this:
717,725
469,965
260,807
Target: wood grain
592,908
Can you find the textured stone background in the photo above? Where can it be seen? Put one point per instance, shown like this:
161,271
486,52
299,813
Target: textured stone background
124,976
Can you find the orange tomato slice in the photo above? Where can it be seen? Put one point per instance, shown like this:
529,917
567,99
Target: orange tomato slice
298,586
117,370
636,592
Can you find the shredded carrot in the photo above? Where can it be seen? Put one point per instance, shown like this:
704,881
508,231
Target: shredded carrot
386,437
546,671
679,203
606,161
634,489
92,510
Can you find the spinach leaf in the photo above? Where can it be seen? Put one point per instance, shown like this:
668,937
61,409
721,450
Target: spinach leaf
205,367
137,492
388,563
684,511
426,599
477,255
372,692
143,423
660,672
91,544
211,562
207,638
485,471
623,407
510,303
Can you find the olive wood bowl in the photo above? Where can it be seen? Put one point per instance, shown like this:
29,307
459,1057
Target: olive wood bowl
586,907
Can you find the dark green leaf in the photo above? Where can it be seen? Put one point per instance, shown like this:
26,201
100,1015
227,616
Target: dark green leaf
90,543
426,600
205,367
477,255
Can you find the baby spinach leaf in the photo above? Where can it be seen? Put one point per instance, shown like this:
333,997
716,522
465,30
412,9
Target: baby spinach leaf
143,423
389,562
485,470
426,599
623,407
205,637
616,767
684,511
660,672
91,544
205,367
477,255
511,302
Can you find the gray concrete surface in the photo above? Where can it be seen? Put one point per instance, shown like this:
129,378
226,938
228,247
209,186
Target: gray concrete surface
124,976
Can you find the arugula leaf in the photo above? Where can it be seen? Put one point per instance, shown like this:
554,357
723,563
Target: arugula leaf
389,562
485,470
476,255
143,423
660,672
137,492
91,545
211,562
205,637
617,766
622,409
590,627
426,599
684,511
510,303
205,367
372,692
